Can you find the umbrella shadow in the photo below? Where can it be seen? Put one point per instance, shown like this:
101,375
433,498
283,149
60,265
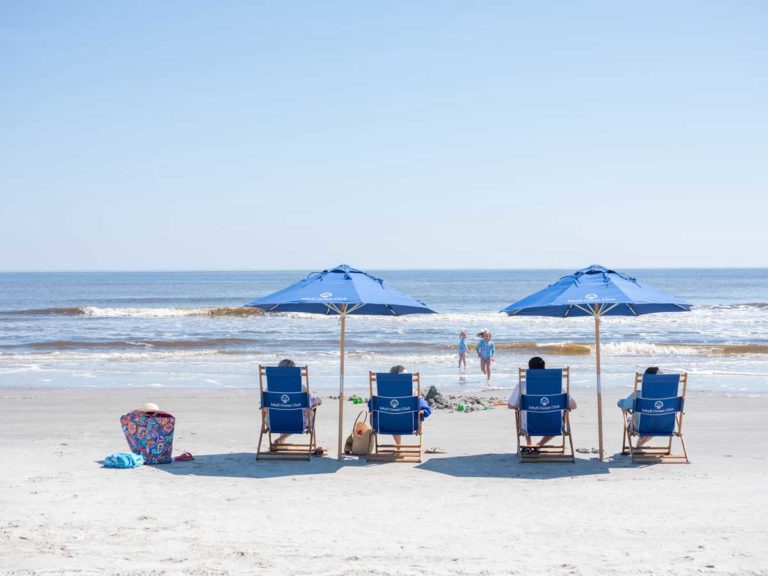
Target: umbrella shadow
508,465
245,465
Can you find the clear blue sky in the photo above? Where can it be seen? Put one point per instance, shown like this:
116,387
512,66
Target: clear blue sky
263,135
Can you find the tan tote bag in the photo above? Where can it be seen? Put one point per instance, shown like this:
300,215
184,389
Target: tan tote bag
358,442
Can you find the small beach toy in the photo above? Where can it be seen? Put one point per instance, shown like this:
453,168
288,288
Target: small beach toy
461,408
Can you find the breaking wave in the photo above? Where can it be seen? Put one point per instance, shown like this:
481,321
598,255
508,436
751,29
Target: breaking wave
682,349
239,311
210,343
44,312
250,345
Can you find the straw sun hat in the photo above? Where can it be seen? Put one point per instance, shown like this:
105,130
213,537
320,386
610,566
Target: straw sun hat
150,407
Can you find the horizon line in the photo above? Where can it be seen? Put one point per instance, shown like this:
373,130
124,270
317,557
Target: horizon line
385,269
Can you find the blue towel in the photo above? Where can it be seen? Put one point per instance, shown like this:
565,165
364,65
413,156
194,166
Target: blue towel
426,409
123,460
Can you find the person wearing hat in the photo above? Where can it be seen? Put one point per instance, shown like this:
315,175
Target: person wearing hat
486,351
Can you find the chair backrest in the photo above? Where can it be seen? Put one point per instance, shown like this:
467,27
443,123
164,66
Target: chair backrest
657,403
285,396
394,404
543,400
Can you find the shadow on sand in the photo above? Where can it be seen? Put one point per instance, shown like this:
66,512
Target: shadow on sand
245,465
508,466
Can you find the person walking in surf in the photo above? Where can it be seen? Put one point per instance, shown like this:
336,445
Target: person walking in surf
463,349
486,351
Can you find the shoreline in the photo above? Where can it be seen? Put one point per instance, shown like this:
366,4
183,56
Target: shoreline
329,393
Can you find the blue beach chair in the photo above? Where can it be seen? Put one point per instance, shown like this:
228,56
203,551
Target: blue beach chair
395,410
657,411
543,411
286,408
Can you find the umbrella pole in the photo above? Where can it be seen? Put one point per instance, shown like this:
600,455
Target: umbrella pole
599,387
341,380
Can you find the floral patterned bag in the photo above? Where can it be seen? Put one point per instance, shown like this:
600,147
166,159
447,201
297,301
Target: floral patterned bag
149,434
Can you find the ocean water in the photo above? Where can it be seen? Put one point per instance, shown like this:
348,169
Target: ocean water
190,329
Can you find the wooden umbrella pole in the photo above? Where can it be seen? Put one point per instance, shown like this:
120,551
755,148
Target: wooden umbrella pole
599,387
341,381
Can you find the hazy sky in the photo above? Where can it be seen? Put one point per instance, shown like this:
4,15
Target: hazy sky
263,135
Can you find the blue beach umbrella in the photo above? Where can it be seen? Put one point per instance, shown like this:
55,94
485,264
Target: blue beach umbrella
341,291
596,291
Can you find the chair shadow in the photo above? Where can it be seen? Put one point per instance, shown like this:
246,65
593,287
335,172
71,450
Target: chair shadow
245,465
508,465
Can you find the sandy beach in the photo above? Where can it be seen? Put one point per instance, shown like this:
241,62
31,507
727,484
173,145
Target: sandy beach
473,510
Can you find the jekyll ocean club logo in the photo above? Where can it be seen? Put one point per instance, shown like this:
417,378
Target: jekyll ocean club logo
322,297
659,408
544,404
394,407
590,297
284,402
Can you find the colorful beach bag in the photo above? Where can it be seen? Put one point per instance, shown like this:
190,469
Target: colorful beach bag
149,434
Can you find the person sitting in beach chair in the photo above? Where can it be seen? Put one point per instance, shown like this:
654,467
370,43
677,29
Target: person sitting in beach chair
396,410
287,408
654,410
542,404
626,404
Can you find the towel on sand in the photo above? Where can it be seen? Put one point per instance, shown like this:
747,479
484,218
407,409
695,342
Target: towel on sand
123,460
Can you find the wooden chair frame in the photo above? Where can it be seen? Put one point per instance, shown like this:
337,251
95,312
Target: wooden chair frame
552,451
286,450
392,452
658,453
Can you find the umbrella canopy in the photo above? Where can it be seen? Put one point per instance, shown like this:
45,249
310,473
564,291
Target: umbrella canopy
596,291
341,291
327,292
614,293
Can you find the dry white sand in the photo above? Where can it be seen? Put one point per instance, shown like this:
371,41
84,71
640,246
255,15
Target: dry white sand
474,510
